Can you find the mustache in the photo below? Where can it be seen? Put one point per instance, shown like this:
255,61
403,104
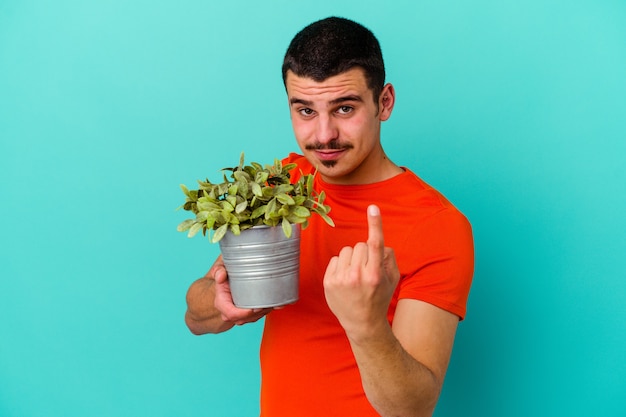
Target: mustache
333,144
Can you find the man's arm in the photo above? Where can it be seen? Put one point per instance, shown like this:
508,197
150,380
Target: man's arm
402,366
210,307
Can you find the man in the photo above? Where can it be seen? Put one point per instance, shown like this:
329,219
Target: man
381,294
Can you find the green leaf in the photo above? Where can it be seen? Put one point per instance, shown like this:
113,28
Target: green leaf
286,227
219,233
230,200
320,198
301,211
296,219
258,212
283,189
271,208
193,230
327,219
202,216
206,204
256,189
221,217
288,168
244,189
230,218
241,207
223,188
261,177
309,184
210,222
268,192
185,225
285,199
241,176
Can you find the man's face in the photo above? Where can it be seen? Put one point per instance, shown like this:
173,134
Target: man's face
337,125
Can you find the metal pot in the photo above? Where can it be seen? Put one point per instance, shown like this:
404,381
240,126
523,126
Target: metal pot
263,266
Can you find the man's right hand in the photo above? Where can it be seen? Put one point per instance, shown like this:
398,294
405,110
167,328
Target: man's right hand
224,299
210,307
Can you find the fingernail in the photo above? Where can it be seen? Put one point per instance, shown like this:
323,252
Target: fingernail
373,210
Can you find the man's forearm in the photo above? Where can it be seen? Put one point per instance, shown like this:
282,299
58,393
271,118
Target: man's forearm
202,317
395,383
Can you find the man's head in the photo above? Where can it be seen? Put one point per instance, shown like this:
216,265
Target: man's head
334,77
333,46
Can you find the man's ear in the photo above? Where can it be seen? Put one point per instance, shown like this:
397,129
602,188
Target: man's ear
386,102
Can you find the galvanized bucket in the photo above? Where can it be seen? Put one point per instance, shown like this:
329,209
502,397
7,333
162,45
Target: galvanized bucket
263,266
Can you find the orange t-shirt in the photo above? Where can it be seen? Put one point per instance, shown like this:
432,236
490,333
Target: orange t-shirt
307,365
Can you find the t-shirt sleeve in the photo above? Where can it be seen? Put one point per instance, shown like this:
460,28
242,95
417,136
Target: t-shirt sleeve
303,167
443,250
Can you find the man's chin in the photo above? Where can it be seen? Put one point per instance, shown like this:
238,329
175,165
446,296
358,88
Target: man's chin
329,164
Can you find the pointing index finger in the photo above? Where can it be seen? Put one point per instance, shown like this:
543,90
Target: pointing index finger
375,239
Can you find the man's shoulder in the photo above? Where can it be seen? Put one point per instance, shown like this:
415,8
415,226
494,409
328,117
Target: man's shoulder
303,166
299,160
425,201
420,192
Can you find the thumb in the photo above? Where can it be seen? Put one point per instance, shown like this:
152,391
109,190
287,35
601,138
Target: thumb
219,274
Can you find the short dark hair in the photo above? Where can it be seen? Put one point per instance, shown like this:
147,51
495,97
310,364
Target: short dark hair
332,46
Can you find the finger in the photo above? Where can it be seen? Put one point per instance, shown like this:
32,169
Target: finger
223,302
360,254
219,275
345,257
331,268
235,314
253,316
375,239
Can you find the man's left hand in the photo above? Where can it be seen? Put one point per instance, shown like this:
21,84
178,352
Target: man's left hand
361,280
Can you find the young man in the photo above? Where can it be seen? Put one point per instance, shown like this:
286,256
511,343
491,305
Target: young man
382,292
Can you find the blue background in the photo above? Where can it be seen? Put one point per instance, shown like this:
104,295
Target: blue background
515,110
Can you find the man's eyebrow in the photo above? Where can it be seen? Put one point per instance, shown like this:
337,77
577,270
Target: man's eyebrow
295,100
352,97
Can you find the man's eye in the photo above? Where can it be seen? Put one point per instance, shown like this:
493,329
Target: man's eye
344,109
305,112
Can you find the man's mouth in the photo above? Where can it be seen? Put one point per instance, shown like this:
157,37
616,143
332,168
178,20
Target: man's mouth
329,154
330,151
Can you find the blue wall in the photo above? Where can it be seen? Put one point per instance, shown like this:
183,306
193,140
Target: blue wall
515,110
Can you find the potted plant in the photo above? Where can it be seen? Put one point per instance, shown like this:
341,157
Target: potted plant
243,213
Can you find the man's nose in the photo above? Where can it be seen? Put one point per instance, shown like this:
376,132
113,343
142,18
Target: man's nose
326,129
